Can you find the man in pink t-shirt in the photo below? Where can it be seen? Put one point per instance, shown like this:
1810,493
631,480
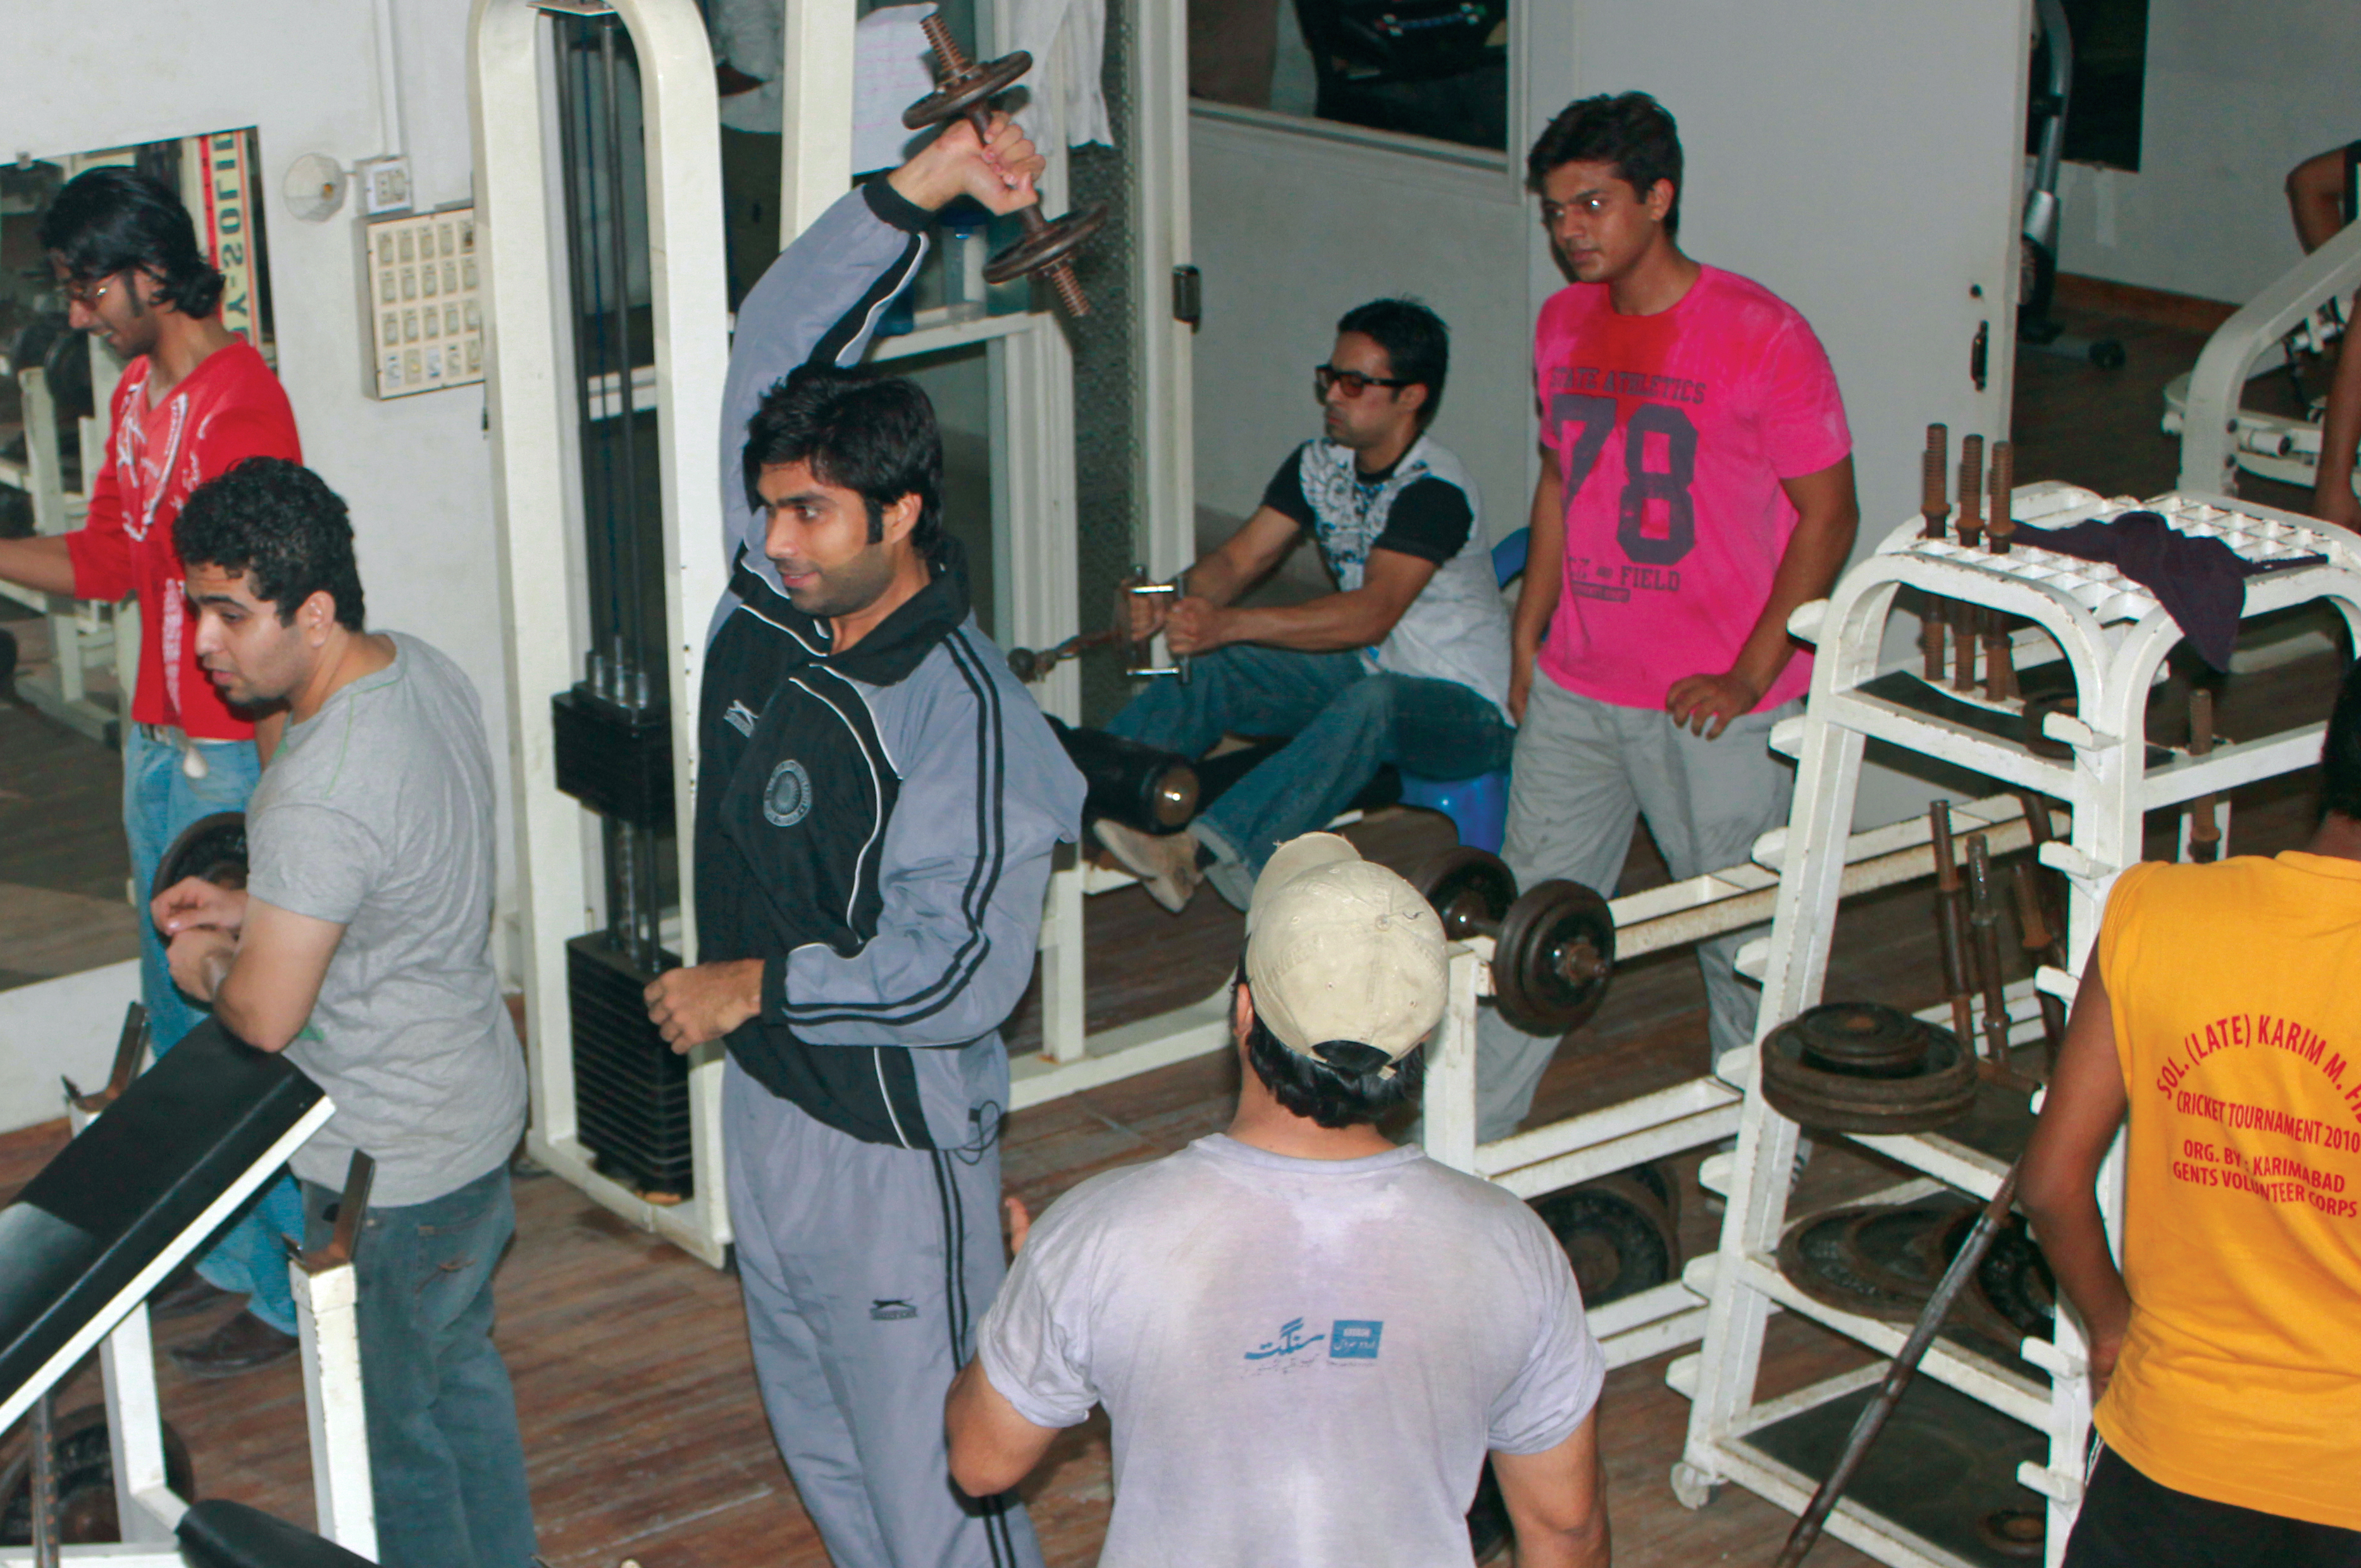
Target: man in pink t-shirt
1696,489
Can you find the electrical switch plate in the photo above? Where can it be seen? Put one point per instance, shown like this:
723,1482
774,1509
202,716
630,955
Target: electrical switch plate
421,318
383,184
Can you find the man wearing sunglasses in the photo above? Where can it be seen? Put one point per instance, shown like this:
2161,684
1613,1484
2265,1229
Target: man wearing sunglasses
1697,488
1406,662
193,400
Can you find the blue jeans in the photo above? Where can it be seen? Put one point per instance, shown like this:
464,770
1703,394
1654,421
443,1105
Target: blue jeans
159,801
1345,722
445,1459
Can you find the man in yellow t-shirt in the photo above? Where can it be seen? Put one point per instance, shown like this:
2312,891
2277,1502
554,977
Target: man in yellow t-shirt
2222,1011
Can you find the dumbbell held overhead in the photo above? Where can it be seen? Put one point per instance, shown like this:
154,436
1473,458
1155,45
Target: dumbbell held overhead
963,88
1553,947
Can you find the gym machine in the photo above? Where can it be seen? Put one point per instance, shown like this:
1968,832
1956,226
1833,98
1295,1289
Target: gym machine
159,1161
2205,407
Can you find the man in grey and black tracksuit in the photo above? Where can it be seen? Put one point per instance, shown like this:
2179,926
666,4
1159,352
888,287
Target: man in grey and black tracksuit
877,802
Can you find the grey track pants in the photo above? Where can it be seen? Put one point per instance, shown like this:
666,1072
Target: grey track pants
1585,770
865,1268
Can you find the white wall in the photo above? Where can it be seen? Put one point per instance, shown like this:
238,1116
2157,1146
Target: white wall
416,471
2236,95
1292,228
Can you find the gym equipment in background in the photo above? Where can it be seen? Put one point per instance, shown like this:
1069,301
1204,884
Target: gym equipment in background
2038,238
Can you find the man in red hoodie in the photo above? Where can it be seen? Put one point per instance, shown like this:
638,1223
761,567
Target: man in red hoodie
194,399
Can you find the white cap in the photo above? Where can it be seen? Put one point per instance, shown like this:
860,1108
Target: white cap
1341,949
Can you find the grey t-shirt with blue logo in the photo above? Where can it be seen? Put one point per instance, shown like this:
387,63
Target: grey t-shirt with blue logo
1304,1361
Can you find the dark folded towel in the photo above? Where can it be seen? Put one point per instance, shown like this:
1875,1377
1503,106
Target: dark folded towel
2202,583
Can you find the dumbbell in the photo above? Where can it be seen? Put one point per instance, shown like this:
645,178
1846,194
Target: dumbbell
963,88
1553,947
211,847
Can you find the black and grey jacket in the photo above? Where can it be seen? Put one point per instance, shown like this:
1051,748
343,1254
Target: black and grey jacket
875,825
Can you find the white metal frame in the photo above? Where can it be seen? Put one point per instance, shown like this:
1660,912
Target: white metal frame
144,1503
521,233
2113,636
2218,436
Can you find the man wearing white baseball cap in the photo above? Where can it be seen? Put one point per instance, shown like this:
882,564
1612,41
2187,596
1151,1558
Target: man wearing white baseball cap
1306,1338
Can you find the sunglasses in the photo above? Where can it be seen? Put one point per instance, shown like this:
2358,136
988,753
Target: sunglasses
1325,377
87,291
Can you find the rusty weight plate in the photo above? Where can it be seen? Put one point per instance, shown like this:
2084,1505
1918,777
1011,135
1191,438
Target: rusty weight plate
1470,889
1877,1261
2013,1296
1861,1066
1618,1231
1553,958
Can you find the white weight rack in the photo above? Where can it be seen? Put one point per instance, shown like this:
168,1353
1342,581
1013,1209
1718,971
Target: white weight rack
2113,636
1682,1116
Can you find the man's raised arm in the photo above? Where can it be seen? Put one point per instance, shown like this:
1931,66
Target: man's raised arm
821,300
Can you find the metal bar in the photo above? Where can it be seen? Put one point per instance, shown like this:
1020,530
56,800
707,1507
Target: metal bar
1897,1378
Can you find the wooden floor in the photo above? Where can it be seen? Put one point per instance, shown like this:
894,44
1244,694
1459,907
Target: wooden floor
641,1429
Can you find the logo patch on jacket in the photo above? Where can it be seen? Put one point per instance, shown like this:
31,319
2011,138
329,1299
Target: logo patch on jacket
742,718
786,799
891,1310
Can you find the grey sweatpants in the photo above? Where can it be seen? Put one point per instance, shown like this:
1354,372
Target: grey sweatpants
865,1268
1585,770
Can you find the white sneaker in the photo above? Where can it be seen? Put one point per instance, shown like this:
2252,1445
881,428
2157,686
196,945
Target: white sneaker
1166,865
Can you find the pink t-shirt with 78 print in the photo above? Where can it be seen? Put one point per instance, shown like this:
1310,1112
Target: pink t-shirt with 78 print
1672,433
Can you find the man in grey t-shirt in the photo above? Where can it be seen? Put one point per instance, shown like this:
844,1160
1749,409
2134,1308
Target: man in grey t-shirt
1306,1338
361,947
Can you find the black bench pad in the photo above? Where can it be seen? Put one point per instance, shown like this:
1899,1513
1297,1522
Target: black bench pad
220,1534
118,1195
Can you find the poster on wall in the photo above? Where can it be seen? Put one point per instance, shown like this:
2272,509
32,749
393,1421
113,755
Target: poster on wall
217,183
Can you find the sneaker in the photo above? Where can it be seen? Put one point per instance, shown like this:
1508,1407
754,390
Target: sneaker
1166,865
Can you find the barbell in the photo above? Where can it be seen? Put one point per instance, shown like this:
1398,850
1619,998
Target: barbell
1552,946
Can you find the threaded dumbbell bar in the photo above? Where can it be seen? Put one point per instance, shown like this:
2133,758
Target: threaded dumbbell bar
963,88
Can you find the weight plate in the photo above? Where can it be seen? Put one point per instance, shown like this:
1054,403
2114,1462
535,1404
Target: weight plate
2013,1296
2019,1534
1656,1179
1866,1039
972,89
212,846
1899,1247
1553,957
1470,889
1617,1232
1824,1256
86,1513
1052,242
1939,1091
